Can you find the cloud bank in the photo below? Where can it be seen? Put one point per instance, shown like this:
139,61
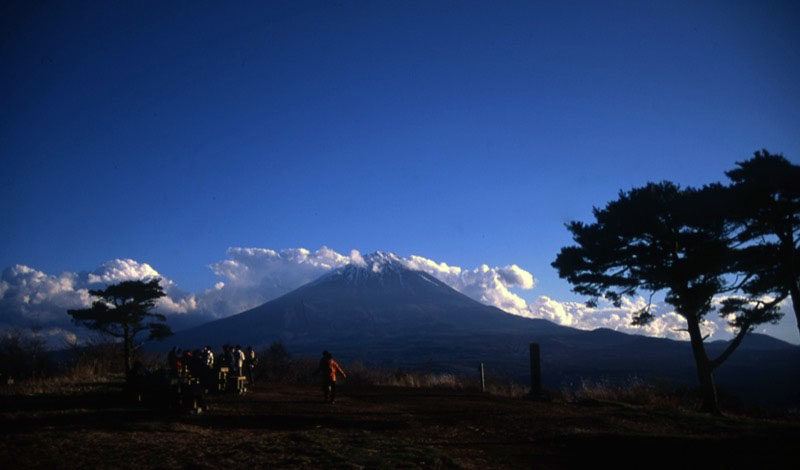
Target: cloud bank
30,298
252,276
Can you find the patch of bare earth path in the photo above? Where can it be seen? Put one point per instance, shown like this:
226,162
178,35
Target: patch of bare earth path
381,427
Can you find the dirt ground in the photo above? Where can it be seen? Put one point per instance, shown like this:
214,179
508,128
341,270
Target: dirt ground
381,427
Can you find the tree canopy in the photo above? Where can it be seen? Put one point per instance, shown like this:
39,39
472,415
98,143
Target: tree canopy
124,310
766,194
661,238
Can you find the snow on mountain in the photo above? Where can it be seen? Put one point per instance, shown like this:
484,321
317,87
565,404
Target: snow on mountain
379,268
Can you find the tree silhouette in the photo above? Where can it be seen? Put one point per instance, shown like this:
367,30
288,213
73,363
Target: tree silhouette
123,311
766,190
660,238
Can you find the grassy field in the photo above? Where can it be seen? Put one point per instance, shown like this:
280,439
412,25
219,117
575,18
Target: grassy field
89,426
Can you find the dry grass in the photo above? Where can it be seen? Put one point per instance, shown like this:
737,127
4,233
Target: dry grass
633,391
63,384
360,374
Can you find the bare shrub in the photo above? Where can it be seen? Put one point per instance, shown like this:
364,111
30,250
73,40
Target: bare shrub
23,355
360,375
97,359
276,365
303,370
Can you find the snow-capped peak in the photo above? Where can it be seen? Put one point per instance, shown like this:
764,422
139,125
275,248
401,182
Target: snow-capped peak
381,269
378,261
374,266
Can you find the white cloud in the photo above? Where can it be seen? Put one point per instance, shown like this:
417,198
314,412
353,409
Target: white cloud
485,284
247,267
185,304
122,270
356,258
252,276
666,324
514,275
30,298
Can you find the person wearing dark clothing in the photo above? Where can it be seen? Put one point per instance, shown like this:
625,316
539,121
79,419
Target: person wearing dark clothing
172,360
137,380
250,364
227,358
328,368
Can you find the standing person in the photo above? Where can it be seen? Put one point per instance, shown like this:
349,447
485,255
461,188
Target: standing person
186,363
179,362
238,358
250,364
328,368
172,360
208,357
227,358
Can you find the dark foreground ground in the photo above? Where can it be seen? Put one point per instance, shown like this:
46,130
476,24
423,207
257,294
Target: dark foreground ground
288,427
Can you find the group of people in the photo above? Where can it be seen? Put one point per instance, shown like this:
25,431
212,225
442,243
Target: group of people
198,361
242,362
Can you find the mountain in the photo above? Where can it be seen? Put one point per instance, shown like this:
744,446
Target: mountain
377,301
382,313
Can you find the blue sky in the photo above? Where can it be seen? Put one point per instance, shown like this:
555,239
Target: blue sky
464,132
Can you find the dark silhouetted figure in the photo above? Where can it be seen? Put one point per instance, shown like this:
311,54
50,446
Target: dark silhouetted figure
227,357
172,360
250,364
138,381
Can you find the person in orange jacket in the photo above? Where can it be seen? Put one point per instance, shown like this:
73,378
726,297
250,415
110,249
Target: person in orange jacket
328,368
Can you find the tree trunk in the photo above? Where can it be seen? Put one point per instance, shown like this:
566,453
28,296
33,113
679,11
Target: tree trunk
127,348
794,290
788,255
704,370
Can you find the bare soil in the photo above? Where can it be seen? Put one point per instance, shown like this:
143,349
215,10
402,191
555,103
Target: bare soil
377,427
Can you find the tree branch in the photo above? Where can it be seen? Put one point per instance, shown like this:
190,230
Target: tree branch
731,346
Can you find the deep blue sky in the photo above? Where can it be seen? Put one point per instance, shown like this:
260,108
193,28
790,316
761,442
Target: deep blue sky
466,132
